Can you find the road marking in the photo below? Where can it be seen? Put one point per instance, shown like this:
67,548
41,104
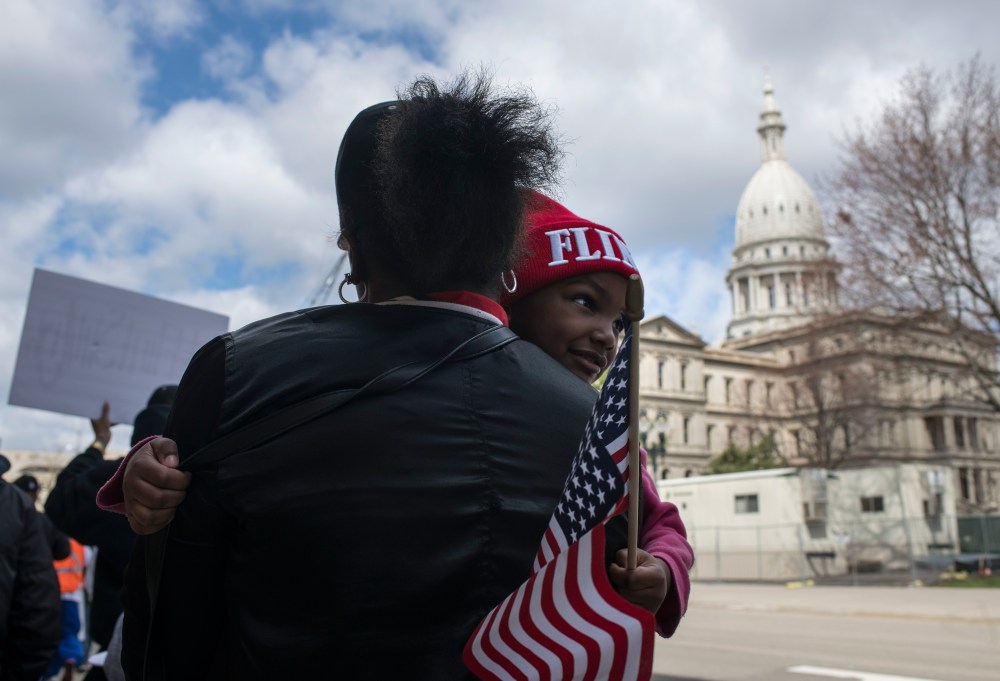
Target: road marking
851,674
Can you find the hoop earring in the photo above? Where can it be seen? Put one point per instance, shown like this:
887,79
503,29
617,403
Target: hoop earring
362,294
503,280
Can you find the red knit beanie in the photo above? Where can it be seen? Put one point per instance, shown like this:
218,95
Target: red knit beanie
560,245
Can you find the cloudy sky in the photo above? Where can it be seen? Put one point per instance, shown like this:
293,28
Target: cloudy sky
185,149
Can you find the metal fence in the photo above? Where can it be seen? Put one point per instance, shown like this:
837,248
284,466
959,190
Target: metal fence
870,552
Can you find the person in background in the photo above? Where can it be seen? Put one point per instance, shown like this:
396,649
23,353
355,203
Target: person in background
569,301
57,541
72,508
70,654
29,592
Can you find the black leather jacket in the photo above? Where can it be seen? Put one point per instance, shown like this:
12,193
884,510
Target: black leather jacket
29,591
369,543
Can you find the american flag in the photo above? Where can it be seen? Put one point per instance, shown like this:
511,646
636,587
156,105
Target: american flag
567,622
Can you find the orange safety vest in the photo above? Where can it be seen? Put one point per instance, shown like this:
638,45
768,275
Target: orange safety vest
70,568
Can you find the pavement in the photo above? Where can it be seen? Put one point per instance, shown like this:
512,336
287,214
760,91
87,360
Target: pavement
973,606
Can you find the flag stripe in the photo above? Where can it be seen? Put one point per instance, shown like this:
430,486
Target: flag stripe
586,623
533,623
533,665
560,630
514,663
489,665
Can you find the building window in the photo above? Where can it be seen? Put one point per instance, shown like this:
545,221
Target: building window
684,371
731,436
933,506
784,250
770,296
888,432
935,432
788,295
872,504
708,436
707,380
963,482
972,428
797,436
749,387
659,374
747,503
687,425
794,389
729,390
768,392
959,433
767,252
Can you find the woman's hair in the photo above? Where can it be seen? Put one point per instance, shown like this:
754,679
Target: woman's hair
451,166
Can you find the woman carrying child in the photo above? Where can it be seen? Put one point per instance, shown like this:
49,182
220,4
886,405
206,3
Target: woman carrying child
467,437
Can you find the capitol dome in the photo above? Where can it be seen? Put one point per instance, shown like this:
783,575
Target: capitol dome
782,273
777,203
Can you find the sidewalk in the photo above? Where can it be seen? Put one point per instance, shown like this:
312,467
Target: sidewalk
974,606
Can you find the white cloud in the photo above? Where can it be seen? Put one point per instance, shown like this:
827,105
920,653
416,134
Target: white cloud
164,19
228,60
70,91
688,289
660,98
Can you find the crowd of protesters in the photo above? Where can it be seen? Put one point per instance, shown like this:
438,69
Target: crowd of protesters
61,568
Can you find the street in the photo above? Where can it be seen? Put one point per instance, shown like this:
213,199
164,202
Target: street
763,632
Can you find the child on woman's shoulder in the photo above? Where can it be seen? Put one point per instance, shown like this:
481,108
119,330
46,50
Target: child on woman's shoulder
568,300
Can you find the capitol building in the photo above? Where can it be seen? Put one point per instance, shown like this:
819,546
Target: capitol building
831,388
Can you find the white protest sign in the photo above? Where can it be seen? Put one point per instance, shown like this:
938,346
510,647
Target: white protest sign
84,343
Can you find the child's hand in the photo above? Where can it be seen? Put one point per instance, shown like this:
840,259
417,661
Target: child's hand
153,487
647,585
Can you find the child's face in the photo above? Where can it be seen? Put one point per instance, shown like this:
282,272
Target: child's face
576,321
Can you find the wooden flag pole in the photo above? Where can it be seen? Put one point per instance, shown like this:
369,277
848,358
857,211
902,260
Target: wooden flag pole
634,311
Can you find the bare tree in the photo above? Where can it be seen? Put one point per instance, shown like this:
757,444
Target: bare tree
917,224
